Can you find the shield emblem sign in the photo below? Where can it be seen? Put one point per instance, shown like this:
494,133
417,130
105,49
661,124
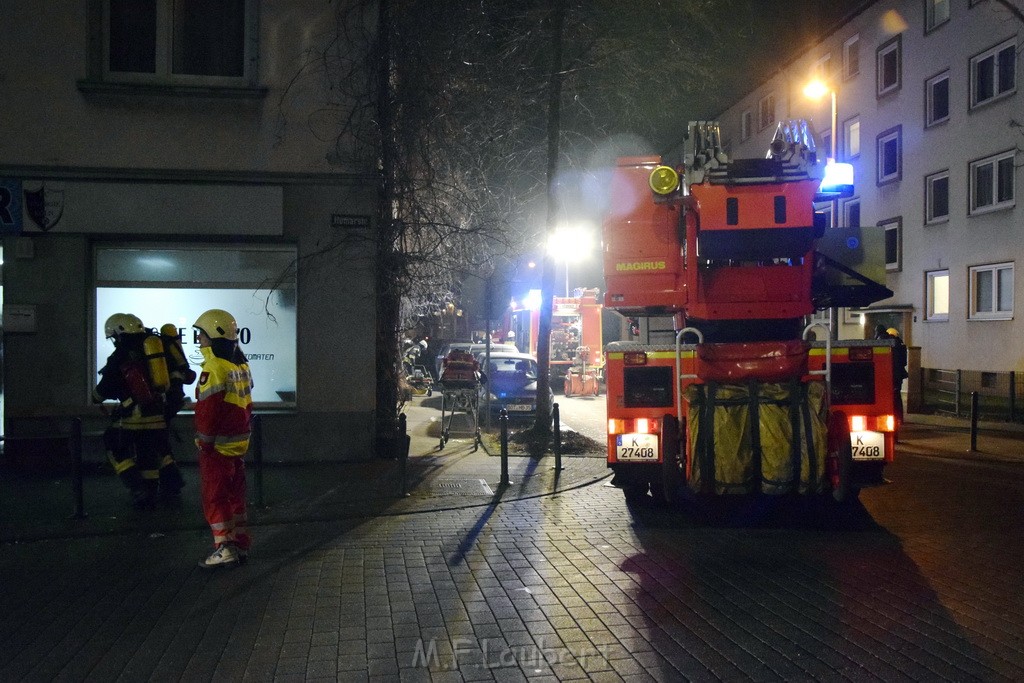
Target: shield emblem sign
44,206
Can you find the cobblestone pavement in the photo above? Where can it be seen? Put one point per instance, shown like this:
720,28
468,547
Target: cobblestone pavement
551,578
569,586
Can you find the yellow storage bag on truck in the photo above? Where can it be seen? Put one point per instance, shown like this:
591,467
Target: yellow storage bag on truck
768,437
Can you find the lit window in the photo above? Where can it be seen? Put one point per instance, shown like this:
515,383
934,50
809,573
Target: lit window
851,57
174,283
766,112
937,295
994,73
893,243
936,190
937,99
851,213
890,155
937,13
888,66
851,135
745,125
992,183
992,292
179,41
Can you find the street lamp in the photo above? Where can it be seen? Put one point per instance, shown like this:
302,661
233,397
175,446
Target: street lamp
570,243
815,90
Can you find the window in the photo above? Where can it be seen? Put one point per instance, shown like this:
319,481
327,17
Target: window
936,193
888,66
936,13
994,73
937,295
893,243
992,183
851,136
851,213
890,155
175,283
766,112
823,68
992,292
745,125
936,93
851,57
826,144
179,41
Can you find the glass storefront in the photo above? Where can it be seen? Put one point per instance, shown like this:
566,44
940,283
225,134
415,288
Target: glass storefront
168,284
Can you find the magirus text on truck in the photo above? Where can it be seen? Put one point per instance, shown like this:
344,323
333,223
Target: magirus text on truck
749,398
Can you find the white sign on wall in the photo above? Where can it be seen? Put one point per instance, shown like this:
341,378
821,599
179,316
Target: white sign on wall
266,328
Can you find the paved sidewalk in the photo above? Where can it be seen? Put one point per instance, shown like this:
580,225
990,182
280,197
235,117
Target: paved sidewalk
457,476
546,579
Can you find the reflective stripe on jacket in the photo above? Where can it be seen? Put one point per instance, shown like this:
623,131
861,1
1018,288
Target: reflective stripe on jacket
223,407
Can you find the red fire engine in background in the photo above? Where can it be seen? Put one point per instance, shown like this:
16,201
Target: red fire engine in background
576,357
750,398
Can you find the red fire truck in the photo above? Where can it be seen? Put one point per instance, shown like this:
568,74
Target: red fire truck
576,357
750,398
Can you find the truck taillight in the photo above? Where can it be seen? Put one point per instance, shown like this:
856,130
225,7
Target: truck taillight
640,425
634,358
872,423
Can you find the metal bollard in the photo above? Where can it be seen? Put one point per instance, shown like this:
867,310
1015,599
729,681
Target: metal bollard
974,421
403,455
256,446
503,426
75,446
557,436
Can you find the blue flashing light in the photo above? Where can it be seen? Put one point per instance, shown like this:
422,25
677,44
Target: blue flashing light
838,181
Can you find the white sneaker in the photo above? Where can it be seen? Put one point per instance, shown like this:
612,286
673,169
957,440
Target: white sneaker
224,556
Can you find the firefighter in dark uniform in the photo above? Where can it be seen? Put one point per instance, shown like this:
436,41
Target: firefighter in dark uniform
179,374
136,376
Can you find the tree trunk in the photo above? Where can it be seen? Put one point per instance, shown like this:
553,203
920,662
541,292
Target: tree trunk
387,264
542,423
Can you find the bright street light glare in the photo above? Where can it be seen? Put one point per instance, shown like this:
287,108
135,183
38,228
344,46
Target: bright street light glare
816,90
571,243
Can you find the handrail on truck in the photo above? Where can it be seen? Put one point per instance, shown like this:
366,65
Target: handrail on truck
679,368
827,372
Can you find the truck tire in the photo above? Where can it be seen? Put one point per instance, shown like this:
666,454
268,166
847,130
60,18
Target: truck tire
841,453
665,487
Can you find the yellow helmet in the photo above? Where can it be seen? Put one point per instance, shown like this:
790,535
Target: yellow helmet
122,323
217,324
893,331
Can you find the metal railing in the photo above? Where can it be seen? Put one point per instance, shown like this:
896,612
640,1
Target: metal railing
948,392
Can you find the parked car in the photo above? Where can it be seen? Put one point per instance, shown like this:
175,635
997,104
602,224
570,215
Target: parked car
511,382
474,348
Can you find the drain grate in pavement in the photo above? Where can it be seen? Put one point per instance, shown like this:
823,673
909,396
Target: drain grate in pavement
462,487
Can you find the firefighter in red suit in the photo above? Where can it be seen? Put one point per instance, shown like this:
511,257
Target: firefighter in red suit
222,411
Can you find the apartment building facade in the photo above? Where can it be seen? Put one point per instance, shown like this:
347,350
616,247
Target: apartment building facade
162,158
925,102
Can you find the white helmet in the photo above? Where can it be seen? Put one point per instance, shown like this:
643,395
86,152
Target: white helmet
217,324
122,323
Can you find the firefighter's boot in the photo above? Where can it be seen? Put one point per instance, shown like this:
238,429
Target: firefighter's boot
171,481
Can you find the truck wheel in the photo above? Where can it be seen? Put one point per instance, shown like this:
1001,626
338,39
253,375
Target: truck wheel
840,453
671,476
